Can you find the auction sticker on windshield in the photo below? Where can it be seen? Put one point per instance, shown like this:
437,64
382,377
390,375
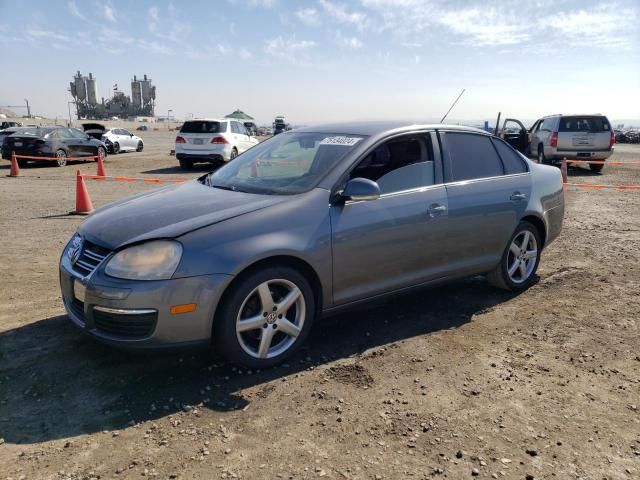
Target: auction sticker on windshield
344,141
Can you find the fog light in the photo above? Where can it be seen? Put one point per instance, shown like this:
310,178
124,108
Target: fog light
185,308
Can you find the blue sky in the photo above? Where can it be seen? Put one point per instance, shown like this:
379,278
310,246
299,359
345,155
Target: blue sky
325,60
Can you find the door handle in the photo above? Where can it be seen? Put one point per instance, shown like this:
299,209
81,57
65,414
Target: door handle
518,196
436,209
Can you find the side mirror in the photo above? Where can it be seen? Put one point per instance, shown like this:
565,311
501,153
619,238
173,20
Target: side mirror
131,134
361,189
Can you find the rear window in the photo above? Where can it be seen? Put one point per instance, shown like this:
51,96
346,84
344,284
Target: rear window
199,126
583,124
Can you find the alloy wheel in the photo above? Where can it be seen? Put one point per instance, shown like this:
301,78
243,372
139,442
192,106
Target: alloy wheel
271,318
522,257
61,158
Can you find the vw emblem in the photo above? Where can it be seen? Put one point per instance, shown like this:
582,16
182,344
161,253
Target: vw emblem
74,250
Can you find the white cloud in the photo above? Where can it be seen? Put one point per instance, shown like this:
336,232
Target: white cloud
262,3
348,42
73,8
38,33
154,14
108,12
289,49
309,16
341,14
486,26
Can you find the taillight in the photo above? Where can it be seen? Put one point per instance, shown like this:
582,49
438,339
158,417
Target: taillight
180,139
554,139
219,140
612,139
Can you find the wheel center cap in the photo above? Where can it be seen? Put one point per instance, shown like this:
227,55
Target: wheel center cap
272,317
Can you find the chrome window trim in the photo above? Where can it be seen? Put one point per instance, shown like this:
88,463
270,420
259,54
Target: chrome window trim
485,179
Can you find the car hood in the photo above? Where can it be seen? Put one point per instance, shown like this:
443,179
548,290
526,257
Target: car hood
168,213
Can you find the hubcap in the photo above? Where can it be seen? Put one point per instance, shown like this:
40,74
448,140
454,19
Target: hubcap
62,158
523,254
271,318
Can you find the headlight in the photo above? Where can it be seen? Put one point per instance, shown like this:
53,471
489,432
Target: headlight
155,260
73,247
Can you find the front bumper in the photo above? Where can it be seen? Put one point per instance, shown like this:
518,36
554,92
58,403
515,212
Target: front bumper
136,314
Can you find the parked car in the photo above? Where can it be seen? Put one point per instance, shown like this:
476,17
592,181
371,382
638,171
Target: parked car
9,131
308,222
251,127
574,137
116,139
211,140
58,142
8,124
142,128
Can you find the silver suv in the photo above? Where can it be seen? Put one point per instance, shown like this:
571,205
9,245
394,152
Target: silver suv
574,137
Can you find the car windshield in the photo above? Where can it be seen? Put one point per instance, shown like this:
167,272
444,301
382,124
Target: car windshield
288,164
200,126
583,124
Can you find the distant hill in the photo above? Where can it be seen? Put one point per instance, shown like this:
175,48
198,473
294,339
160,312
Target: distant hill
8,112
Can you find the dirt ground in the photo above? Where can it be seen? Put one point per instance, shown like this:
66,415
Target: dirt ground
456,382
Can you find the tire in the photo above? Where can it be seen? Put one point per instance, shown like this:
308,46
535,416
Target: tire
61,158
23,162
255,296
139,147
541,157
116,148
186,164
596,167
514,257
234,153
104,153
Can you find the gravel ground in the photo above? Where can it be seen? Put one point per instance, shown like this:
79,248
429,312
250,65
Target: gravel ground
457,382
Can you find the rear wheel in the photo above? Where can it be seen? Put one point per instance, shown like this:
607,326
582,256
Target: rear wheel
186,164
61,158
541,157
116,148
234,153
519,261
139,147
596,167
23,162
265,317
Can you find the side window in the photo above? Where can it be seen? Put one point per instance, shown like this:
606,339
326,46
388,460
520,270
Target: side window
64,133
512,161
77,133
124,132
234,127
242,129
400,164
472,156
545,125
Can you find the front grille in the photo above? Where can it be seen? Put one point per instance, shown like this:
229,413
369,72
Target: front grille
90,257
77,308
125,326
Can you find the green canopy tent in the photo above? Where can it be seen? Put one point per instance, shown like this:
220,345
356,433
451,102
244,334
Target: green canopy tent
239,115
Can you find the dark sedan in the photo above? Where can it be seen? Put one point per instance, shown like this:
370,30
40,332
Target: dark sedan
57,143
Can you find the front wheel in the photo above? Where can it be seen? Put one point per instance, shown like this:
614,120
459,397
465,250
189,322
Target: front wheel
519,262
61,158
542,159
265,317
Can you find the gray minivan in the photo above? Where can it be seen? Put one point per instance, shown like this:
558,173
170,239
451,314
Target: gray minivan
574,137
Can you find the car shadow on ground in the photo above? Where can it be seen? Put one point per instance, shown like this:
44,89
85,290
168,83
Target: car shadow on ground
56,383
177,170
579,171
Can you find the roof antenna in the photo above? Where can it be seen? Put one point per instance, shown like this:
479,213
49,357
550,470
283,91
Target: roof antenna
453,105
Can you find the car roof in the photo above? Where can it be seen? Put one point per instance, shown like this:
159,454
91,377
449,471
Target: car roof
371,128
574,115
209,120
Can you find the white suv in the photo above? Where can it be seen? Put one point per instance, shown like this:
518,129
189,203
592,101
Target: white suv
211,140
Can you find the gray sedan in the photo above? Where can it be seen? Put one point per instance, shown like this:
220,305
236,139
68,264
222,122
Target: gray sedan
308,222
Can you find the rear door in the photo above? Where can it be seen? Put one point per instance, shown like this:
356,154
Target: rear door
82,145
486,198
584,133
199,133
71,144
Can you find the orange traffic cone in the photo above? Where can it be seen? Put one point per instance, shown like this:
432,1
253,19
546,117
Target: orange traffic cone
15,170
563,170
101,172
83,201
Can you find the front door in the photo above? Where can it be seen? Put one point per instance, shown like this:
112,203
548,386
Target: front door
396,240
